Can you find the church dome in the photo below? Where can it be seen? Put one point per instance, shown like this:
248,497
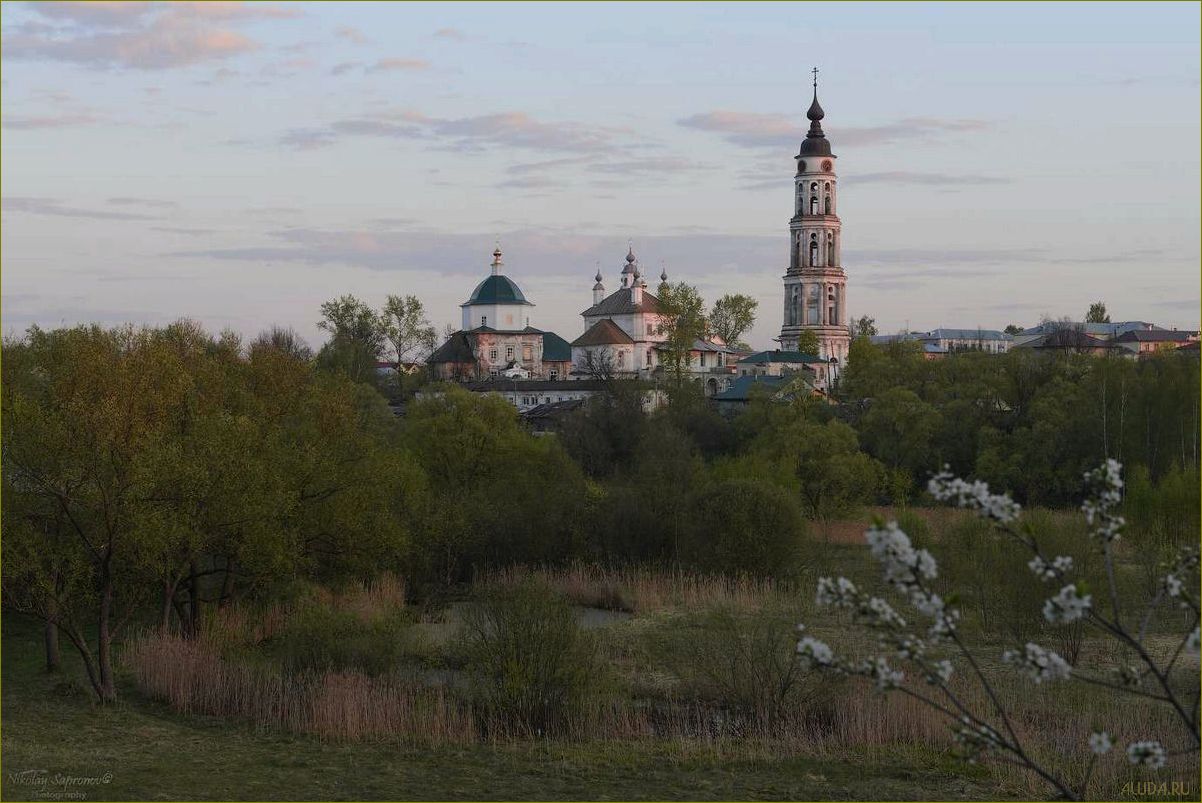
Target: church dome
497,290
815,143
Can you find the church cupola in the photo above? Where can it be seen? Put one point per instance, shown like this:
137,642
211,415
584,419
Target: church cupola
629,268
497,264
598,288
815,143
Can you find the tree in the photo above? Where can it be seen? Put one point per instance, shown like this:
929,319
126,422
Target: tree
1097,313
865,327
807,342
409,334
683,323
731,316
358,338
744,525
900,429
1013,329
285,340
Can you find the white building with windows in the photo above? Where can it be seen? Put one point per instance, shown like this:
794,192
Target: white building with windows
815,284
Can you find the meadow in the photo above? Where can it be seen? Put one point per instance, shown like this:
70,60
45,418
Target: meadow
576,682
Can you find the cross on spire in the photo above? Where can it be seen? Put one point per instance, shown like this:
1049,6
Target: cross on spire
815,71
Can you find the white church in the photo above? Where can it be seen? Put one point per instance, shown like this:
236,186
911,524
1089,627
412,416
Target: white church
623,333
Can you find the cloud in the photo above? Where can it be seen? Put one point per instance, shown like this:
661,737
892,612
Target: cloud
50,121
344,67
450,33
353,35
924,179
153,203
391,64
50,206
507,129
146,36
188,230
755,130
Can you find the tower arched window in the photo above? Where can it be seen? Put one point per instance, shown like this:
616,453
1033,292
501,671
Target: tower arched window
828,205
813,204
830,245
801,200
813,250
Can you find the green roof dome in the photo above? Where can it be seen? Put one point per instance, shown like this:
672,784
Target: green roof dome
496,290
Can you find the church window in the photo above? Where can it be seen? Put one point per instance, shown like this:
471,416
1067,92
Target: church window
509,320
830,248
801,167
813,204
509,352
813,250
554,374
648,357
828,204
484,320
650,329
492,354
621,359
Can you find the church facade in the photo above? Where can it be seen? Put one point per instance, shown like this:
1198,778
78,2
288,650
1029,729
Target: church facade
815,295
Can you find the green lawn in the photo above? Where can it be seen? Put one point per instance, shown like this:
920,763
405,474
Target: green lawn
154,754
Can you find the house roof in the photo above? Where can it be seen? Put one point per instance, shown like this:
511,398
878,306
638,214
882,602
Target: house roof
619,303
555,348
458,348
745,387
496,289
534,385
965,334
603,333
552,409
1097,329
1152,336
777,355
1067,338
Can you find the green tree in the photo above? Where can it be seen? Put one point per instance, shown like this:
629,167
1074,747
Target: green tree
357,339
900,430
807,342
744,526
683,323
864,327
731,316
1013,329
1097,313
410,336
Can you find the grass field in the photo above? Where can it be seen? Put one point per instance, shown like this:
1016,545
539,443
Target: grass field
154,754
55,737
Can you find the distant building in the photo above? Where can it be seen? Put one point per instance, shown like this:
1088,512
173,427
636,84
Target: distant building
818,372
497,338
1143,342
748,387
939,342
1102,331
1070,341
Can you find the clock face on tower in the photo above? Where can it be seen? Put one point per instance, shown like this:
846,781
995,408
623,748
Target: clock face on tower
826,166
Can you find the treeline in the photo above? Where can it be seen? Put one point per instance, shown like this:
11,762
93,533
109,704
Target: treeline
151,475
1028,422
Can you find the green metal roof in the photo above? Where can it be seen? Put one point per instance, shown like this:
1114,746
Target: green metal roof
496,290
555,348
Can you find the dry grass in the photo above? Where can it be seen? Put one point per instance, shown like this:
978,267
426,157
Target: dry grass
644,590
191,677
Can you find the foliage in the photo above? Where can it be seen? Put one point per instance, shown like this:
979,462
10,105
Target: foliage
732,315
532,664
744,526
683,323
864,326
807,342
405,328
1097,313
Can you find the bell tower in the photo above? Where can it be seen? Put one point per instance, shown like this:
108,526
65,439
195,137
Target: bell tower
815,284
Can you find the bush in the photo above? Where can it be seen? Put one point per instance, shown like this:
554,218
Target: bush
531,665
744,662
742,526
319,638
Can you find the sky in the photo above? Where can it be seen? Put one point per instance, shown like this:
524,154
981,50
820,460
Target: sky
239,164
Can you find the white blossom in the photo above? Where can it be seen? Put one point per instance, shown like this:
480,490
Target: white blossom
840,592
1067,606
1191,643
1045,571
1172,585
1038,664
886,677
944,670
974,496
813,652
1100,743
882,613
1150,754
1106,486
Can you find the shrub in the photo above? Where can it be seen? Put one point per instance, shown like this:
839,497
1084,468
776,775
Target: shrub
321,638
745,662
531,665
744,526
